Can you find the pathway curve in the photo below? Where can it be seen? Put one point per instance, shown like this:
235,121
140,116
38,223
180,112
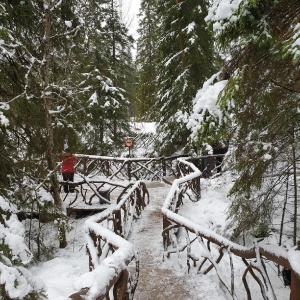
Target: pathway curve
160,279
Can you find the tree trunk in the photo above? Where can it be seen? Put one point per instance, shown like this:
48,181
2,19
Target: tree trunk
295,190
48,120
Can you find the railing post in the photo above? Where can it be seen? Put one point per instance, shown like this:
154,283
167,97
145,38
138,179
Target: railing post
117,220
129,170
295,282
177,169
107,168
120,287
166,236
94,238
210,166
295,286
84,166
197,186
164,167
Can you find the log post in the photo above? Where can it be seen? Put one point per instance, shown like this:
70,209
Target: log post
129,170
96,245
295,282
164,169
107,168
295,286
166,236
84,166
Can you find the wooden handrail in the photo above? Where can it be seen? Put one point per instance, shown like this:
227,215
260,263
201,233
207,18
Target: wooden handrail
139,168
172,221
102,242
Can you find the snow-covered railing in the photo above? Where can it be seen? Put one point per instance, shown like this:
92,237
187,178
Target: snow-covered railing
141,168
126,168
205,248
109,251
88,190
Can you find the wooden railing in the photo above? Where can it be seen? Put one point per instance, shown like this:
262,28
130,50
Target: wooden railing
253,258
141,168
86,191
126,168
109,252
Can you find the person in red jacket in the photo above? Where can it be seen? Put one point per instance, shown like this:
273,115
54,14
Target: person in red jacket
67,169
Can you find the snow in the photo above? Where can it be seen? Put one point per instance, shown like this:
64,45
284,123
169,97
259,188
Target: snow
93,99
205,101
10,276
294,258
68,271
221,10
3,119
145,127
68,24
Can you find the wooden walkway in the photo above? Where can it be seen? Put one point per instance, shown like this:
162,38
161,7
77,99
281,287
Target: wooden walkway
159,279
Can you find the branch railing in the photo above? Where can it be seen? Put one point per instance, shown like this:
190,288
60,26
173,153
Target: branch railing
141,168
88,190
213,246
126,168
109,251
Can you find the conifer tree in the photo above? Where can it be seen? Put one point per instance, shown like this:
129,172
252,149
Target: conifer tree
146,63
106,71
37,94
262,98
185,59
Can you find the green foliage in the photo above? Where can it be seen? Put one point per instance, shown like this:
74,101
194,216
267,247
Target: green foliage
185,59
262,95
108,73
14,256
261,231
146,61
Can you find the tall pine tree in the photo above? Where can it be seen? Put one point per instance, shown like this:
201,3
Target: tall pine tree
262,98
107,73
146,61
185,59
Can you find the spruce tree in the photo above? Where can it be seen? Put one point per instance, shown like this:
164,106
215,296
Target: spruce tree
262,99
106,71
146,62
37,94
185,59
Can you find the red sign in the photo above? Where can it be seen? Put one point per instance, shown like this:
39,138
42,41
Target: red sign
128,142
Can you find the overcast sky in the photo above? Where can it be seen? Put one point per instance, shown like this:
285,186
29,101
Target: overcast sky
130,11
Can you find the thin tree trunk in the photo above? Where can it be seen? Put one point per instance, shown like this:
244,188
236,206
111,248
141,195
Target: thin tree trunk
284,209
48,120
181,40
295,191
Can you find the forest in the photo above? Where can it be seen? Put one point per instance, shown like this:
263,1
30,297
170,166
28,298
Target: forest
211,74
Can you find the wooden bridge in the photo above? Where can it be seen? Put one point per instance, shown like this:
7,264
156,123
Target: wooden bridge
107,246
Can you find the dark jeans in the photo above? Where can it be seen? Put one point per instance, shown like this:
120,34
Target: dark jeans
68,187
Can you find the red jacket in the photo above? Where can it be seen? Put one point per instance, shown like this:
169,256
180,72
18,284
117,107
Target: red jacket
68,161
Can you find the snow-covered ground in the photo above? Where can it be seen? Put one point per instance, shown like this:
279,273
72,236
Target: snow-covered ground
165,278
160,277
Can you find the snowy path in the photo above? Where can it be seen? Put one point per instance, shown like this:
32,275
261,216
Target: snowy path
159,279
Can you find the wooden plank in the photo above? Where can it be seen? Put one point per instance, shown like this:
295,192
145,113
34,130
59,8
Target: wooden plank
169,179
84,211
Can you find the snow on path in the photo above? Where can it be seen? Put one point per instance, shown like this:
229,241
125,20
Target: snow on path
158,279
165,279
